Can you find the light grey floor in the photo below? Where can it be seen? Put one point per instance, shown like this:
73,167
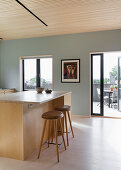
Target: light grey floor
96,146
110,112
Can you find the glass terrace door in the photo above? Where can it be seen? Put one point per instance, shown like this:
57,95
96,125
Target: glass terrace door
119,83
97,84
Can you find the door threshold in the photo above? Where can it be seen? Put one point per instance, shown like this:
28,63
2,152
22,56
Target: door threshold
106,117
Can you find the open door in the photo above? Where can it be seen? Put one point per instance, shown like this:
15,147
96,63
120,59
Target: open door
119,83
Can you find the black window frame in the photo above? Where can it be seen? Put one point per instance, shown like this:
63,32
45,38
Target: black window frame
38,72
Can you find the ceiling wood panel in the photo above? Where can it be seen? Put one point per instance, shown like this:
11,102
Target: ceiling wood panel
62,17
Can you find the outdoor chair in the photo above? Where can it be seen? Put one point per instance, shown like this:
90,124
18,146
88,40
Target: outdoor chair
114,99
105,98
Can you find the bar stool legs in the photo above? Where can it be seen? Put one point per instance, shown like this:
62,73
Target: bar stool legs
70,124
49,130
66,128
65,109
56,139
62,133
51,123
43,131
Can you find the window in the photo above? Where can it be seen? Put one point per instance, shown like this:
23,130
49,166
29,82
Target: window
37,73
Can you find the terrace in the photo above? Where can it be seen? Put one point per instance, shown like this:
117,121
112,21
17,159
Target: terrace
110,107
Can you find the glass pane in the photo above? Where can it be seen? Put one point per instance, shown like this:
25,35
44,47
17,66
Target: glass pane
119,85
110,99
96,84
29,74
46,73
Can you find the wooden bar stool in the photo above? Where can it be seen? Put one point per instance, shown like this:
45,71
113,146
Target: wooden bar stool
54,117
65,109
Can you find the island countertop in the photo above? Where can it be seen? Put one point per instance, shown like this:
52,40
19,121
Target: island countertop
21,123
31,96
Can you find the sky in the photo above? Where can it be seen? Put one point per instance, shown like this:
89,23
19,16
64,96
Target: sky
110,60
45,65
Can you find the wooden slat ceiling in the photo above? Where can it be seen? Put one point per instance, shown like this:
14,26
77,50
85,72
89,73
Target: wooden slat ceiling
62,17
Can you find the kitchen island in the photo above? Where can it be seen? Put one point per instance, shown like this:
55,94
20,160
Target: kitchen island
6,91
21,122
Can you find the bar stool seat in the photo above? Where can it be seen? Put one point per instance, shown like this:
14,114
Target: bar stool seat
65,109
53,118
52,115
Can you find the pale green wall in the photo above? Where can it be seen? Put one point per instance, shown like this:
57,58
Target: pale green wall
61,47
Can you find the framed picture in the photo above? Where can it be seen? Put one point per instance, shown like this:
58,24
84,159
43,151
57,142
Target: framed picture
70,71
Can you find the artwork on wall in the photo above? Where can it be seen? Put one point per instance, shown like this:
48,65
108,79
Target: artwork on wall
70,71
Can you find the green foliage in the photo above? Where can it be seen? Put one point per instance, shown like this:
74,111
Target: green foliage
114,72
33,80
115,86
106,80
43,80
96,81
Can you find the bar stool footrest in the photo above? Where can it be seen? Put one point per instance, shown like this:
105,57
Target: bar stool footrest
52,143
64,132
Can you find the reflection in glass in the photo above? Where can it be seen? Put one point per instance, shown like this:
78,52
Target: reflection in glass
29,74
96,84
46,73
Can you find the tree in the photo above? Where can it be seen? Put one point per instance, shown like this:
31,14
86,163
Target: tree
96,81
114,72
106,80
33,80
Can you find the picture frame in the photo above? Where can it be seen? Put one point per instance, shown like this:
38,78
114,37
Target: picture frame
70,71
